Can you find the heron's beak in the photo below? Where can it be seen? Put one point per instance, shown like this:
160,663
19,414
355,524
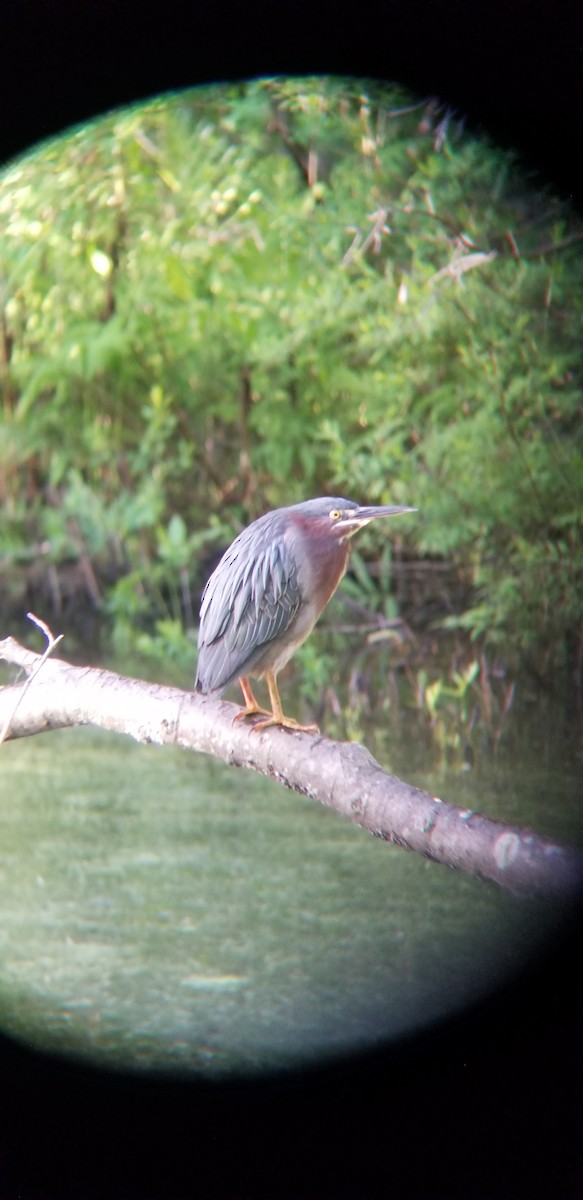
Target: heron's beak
360,517
368,513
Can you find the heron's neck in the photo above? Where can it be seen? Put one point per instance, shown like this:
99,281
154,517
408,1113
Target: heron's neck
323,563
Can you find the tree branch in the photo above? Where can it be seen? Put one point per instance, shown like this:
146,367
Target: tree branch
342,775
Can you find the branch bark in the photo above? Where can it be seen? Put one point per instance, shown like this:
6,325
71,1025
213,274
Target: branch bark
342,775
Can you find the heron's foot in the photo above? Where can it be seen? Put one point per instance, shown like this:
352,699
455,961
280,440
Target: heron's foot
284,723
252,710
273,715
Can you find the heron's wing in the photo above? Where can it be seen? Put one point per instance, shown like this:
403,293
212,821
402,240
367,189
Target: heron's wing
251,599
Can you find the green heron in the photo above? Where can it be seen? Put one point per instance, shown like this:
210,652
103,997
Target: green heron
267,592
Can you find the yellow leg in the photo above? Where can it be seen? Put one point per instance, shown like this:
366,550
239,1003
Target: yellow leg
276,716
251,705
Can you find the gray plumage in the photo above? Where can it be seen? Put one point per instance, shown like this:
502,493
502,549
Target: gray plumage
254,594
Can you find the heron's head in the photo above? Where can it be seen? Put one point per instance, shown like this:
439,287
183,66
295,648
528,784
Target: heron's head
333,516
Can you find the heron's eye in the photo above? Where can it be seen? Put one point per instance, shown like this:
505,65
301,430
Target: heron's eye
335,514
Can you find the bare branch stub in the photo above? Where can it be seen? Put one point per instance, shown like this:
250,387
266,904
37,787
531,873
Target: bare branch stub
52,641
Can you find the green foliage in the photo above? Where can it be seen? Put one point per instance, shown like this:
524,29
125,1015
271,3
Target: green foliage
243,296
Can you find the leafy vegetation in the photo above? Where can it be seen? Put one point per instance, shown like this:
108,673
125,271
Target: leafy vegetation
239,297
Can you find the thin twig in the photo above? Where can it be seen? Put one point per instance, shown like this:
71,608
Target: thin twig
461,263
373,238
554,247
51,643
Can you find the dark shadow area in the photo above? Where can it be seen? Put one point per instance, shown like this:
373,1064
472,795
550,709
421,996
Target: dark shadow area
484,1108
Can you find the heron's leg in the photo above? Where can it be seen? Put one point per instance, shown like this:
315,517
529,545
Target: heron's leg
251,705
276,716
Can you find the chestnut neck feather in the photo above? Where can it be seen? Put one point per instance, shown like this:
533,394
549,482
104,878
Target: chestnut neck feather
327,558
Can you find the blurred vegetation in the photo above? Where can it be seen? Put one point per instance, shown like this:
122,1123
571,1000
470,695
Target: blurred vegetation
243,296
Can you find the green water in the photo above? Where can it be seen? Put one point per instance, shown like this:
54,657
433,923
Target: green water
161,911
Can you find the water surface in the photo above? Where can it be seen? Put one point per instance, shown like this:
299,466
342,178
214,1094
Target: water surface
163,911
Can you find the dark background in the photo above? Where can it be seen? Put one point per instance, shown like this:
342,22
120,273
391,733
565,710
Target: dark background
485,1107
513,66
